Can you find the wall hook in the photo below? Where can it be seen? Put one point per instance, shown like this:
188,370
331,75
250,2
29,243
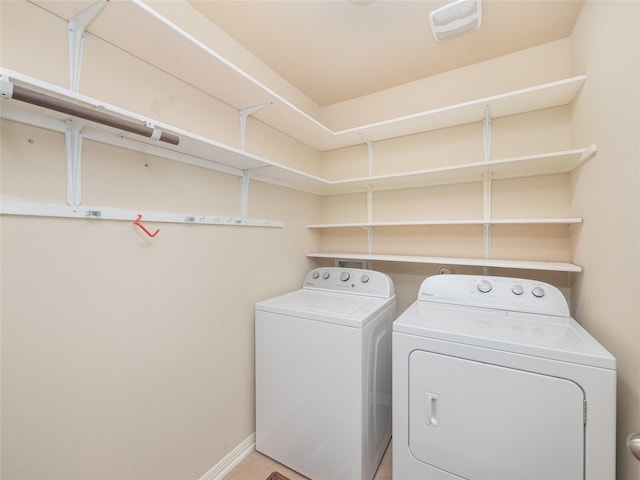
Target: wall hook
137,223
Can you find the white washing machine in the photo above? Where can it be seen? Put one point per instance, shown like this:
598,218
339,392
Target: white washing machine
493,380
323,374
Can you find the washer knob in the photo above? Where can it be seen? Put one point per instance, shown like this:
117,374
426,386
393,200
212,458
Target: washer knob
538,292
315,275
484,286
326,275
344,276
517,289
364,278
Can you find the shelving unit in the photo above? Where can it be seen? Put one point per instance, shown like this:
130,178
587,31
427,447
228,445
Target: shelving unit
237,88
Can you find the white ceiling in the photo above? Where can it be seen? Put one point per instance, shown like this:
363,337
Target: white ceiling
336,50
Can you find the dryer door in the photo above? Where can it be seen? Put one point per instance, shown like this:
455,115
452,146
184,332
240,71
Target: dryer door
482,421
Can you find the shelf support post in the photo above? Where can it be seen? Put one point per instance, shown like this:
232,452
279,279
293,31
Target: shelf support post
369,143
73,138
244,190
369,230
486,132
486,227
369,204
244,113
486,188
244,193
76,28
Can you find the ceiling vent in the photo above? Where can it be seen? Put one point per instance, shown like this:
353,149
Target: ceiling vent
455,19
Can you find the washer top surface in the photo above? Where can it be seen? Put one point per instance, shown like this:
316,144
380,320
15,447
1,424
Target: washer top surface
507,314
343,296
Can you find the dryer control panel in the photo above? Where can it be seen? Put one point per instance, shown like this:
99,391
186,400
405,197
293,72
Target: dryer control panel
501,293
350,280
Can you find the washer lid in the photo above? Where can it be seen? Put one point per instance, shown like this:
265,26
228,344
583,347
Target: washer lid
342,309
545,336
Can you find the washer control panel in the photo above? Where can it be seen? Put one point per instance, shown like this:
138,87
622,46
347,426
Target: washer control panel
501,293
350,280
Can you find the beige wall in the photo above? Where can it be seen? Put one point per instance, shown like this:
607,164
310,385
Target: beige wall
125,356
606,46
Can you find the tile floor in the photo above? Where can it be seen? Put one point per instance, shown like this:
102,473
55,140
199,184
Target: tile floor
257,466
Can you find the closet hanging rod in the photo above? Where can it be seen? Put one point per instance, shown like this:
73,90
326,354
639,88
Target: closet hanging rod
26,95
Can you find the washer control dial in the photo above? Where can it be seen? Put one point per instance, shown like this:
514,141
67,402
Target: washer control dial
364,278
326,275
315,275
344,276
538,292
517,290
484,286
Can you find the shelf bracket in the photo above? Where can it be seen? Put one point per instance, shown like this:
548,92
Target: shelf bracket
486,212
73,138
486,189
486,132
244,113
244,191
76,28
369,204
369,239
369,143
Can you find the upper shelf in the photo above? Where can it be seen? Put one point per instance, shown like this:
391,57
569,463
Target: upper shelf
196,59
198,150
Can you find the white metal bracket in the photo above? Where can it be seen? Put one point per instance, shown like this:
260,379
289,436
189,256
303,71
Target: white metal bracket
369,143
486,132
73,137
369,239
76,27
486,188
244,113
244,191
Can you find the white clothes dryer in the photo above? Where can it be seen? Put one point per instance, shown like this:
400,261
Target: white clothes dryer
493,380
323,374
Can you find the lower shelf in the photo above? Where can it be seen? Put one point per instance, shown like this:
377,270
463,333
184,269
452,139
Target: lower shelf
476,262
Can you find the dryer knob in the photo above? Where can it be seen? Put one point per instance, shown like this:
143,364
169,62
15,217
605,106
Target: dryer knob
344,276
315,275
326,275
364,278
538,292
517,289
484,286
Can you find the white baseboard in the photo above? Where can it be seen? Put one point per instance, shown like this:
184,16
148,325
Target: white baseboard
233,458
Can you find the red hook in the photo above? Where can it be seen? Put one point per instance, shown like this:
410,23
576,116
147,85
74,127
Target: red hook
137,222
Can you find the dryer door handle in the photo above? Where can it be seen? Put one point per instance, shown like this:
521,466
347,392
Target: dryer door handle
431,410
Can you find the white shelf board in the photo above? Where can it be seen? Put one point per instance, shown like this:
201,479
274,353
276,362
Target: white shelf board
477,262
197,150
193,149
166,45
494,221
531,165
17,207
552,94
